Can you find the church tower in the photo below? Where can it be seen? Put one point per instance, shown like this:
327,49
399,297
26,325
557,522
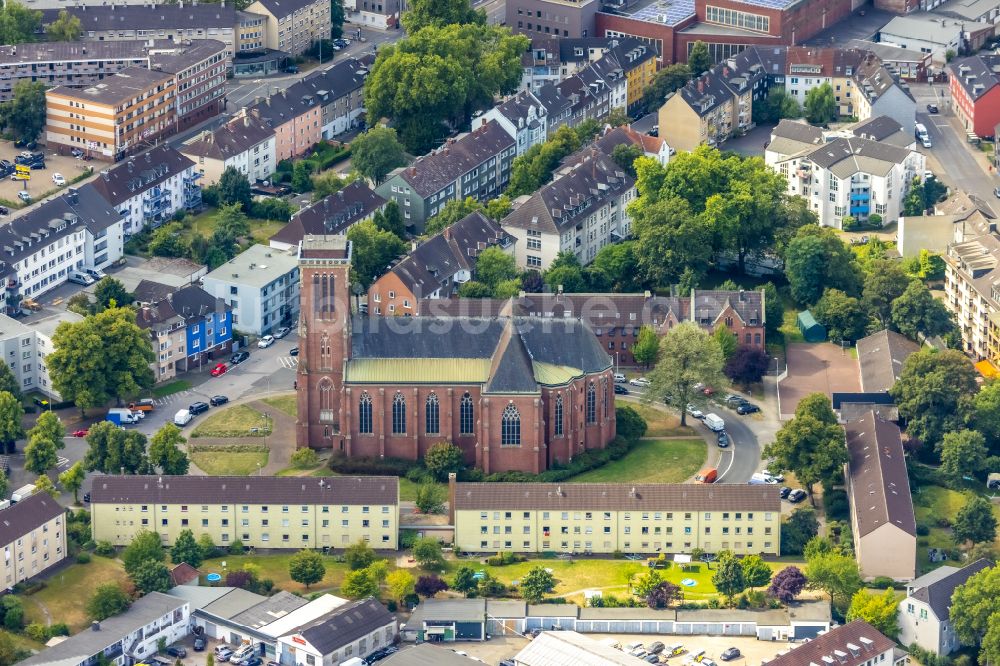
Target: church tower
324,338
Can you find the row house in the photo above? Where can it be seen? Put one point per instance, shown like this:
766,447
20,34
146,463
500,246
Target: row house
437,267
334,214
591,94
553,58
245,143
295,115
474,165
293,26
523,116
147,189
188,329
339,90
40,248
974,84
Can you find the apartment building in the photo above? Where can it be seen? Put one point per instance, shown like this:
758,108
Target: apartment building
199,70
970,286
260,511
340,93
334,214
296,118
707,110
974,83
148,188
293,26
41,247
843,175
856,643
934,34
583,209
522,116
33,534
24,349
245,143
378,14
436,267
924,615
879,92
609,517
559,18
261,285
552,59
909,64
474,165
121,115
591,94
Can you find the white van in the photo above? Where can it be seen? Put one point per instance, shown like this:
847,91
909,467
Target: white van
715,422
182,417
80,278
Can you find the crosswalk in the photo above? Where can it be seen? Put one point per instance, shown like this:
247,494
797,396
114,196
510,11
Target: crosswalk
290,362
62,462
172,398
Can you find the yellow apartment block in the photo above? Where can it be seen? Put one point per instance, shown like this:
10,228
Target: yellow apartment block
260,511
33,537
609,517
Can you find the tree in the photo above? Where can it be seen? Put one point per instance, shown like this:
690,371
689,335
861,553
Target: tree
40,455
917,311
499,208
494,266
427,553
25,113
797,530
359,584
165,451
630,426
669,79
234,188
747,366
727,340
114,451
838,575
817,259
13,613
536,584
975,522
306,567
327,183
465,581
820,105
777,105
43,484
818,545
107,601
144,547
878,610
11,415
66,28
975,613
698,59
186,549
884,282
844,316
614,268
986,412
532,169
646,347
625,155
728,578
443,458
167,242
336,18
302,176
662,595
305,459
756,573
811,444
377,152
473,289
72,479
566,273
452,211
688,356
787,584
438,13
48,426
934,393
372,250
430,498
359,555
10,654
401,584
429,585
8,382
151,576
391,220
963,454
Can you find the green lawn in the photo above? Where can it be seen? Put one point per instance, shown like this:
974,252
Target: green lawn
659,423
651,461
66,592
228,463
164,390
790,326
929,504
285,403
204,225
275,567
235,421
261,231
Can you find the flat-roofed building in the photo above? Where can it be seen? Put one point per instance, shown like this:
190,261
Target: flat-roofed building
261,511
609,517
32,537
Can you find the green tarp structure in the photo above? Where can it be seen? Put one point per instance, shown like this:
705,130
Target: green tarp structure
811,329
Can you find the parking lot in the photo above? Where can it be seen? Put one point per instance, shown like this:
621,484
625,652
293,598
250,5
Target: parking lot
41,179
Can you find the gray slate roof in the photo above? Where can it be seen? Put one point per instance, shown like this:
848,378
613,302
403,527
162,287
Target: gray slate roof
868,643
140,173
19,519
876,471
881,356
458,610
281,8
333,215
881,128
977,74
236,136
347,624
847,156
937,594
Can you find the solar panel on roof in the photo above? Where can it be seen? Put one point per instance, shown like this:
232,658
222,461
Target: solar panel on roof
667,12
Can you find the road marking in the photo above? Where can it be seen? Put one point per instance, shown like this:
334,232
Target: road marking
62,462
291,362
732,459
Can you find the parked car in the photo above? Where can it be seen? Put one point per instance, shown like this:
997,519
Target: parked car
265,341
639,381
620,390
217,400
778,478
723,439
24,196
223,652
729,654
292,69
282,332
252,660
183,417
219,370
200,643
239,357
785,490
656,647
176,651
4,210
76,152
77,278
747,408
198,407
694,411
651,659
620,378
58,179
83,432
932,108
86,497
797,496
95,273
294,351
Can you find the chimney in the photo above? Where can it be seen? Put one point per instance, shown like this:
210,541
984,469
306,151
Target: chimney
452,492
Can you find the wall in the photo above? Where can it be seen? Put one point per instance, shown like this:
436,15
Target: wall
389,296
918,624
887,551
35,552
680,126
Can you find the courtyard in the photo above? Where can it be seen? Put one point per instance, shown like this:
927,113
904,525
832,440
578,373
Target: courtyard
816,368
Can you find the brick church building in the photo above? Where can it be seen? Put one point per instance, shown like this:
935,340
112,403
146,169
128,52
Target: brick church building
513,392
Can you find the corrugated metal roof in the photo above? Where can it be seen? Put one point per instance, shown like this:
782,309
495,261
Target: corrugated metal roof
418,370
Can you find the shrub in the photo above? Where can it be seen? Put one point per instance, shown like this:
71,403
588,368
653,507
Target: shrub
923,530
882,583
391,605
836,505
406,539
236,548
37,632
305,458
271,208
339,462
83,558
59,629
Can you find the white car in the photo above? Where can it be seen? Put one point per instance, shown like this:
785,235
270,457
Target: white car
265,341
282,332
58,179
639,381
694,411
619,378
777,477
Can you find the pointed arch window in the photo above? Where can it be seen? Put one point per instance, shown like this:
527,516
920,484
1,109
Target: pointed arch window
326,400
510,427
604,389
365,414
399,415
559,416
591,403
467,414
432,415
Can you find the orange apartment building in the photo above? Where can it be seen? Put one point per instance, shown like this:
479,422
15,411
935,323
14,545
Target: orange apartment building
120,115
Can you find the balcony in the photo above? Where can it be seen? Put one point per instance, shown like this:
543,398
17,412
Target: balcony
859,210
860,196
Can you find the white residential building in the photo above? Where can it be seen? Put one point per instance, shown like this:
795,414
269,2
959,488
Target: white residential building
245,143
24,349
522,116
934,34
924,615
261,285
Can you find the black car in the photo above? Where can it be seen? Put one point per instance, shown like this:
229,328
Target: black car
176,651
797,496
86,497
620,390
651,659
239,357
784,492
200,643
217,400
294,351
932,108
723,439
4,210
747,408
730,654
655,647
198,407
735,401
